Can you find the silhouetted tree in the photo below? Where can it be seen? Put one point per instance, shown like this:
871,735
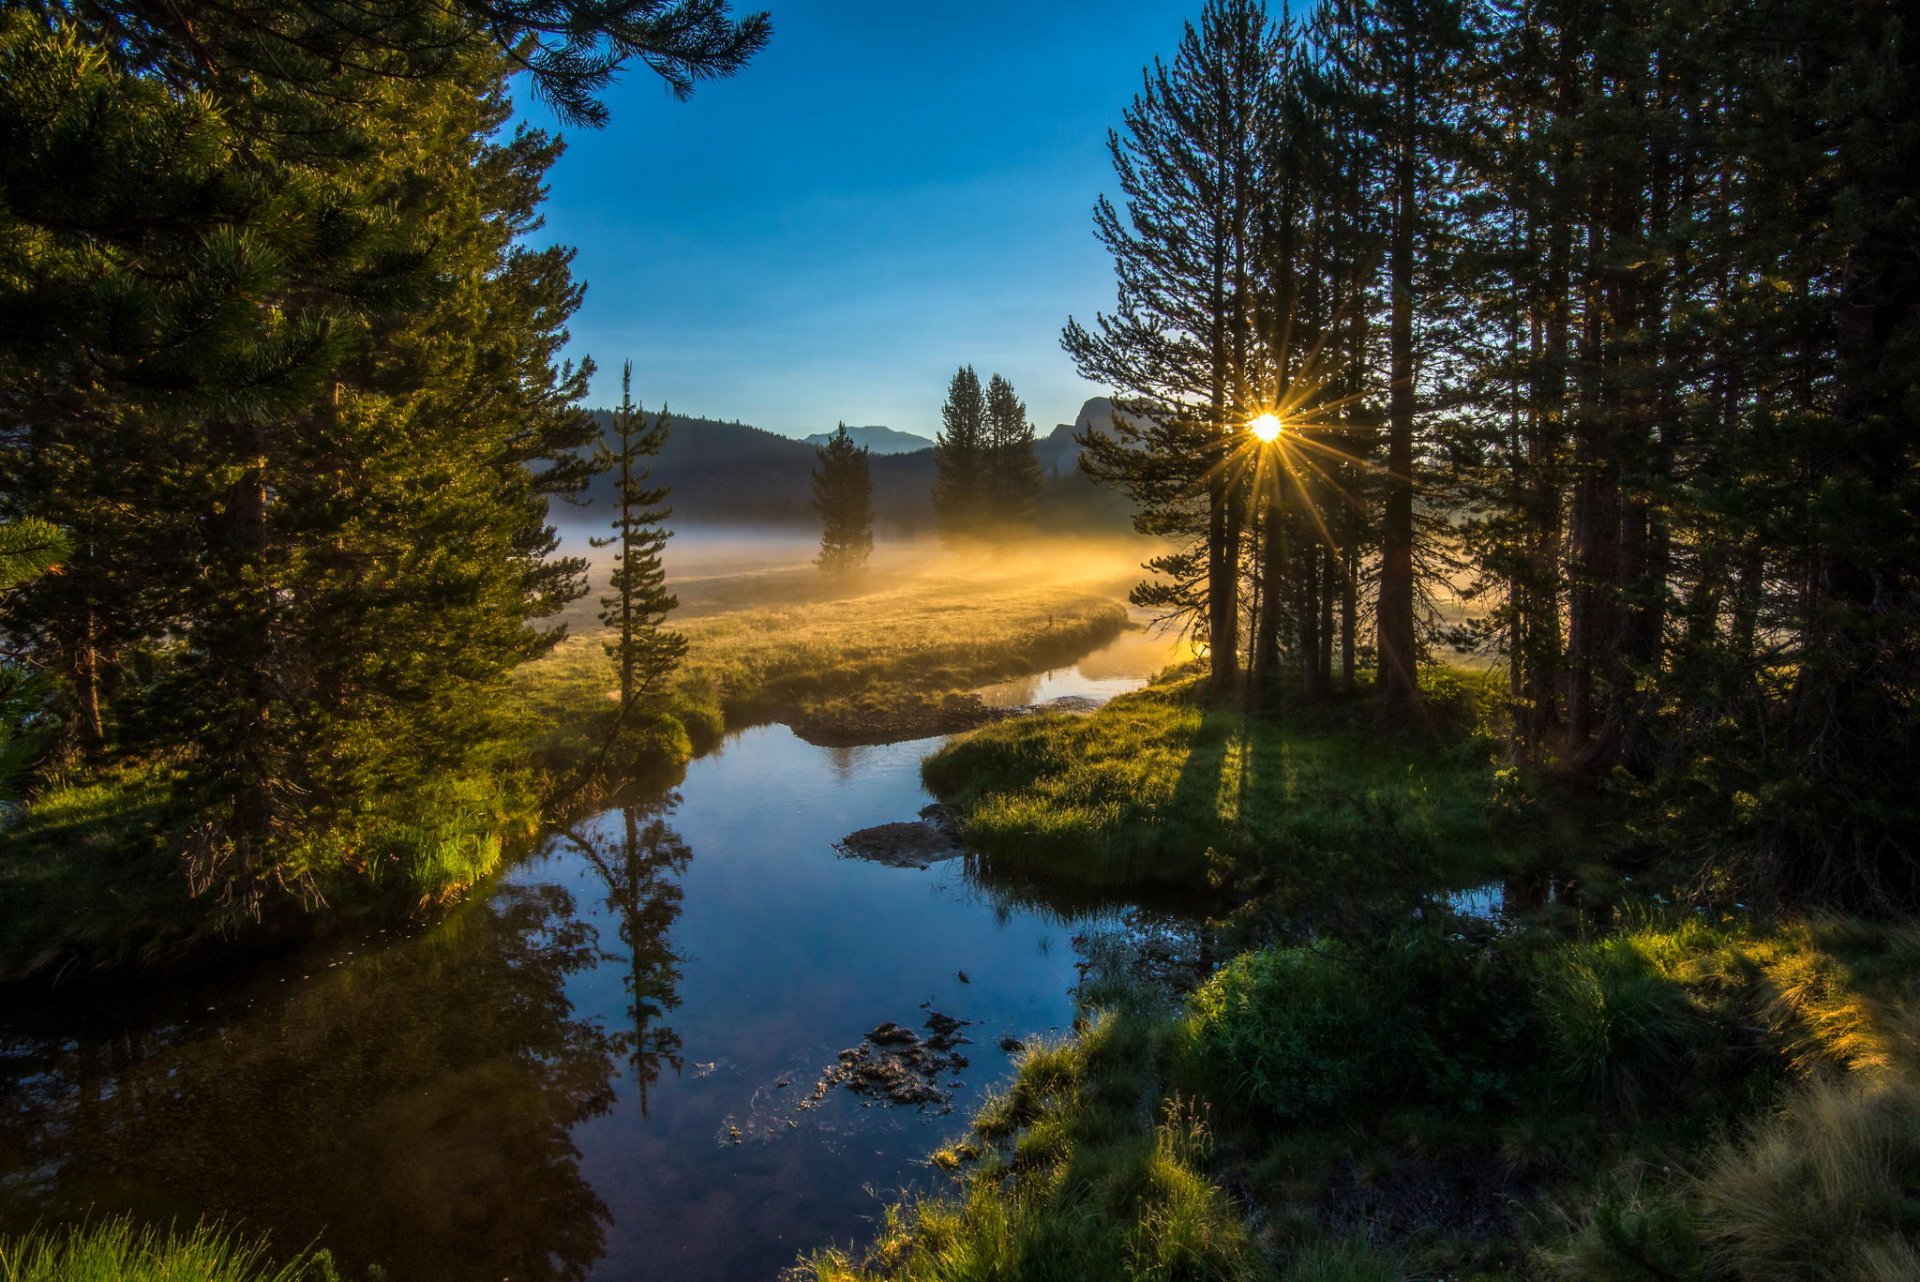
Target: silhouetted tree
1013,467
843,497
1192,169
961,493
637,603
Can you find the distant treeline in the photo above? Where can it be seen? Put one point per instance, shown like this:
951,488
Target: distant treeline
724,473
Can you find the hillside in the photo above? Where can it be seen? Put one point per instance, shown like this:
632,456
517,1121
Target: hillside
878,440
731,473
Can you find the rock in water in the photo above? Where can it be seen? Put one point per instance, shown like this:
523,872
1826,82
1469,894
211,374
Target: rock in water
918,844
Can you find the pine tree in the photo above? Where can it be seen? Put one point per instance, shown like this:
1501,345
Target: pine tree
1013,468
1181,346
28,549
637,602
843,498
279,357
961,495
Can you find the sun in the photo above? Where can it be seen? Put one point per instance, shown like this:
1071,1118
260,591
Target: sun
1266,427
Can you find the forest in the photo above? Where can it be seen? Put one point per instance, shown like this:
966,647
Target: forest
1414,782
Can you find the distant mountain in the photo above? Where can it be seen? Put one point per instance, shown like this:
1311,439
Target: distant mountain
732,473
729,473
880,440
1059,452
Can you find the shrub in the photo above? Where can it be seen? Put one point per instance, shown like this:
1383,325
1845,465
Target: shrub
1634,1234
1345,1031
1622,1028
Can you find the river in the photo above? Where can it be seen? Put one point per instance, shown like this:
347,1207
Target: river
600,1066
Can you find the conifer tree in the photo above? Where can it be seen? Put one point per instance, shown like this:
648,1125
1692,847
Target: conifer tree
281,359
843,498
637,601
29,548
1191,167
961,496
1013,468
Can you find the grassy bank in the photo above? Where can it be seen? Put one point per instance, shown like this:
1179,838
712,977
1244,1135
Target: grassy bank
1606,1087
1162,787
90,882
865,667
1673,1101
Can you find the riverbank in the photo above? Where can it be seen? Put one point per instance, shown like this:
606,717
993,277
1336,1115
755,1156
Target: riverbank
92,889
1584,1083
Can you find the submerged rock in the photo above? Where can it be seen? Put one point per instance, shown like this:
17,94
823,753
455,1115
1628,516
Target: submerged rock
895,1065
915,844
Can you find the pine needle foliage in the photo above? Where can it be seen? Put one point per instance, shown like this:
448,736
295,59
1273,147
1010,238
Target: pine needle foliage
637,603
843,498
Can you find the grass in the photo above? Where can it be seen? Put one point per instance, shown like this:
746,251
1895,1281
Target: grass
116,1250
1660,1096
1078,1179
866,663
1161,787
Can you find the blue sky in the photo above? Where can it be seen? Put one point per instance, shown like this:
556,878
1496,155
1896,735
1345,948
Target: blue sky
889,190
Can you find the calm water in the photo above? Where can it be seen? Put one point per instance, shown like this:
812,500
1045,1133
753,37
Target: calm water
579,1072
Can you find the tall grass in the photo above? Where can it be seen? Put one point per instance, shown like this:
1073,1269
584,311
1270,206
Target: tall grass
1083,1177
117,1250
885,653
1829,1188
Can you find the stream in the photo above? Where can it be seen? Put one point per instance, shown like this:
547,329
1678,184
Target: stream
606,1064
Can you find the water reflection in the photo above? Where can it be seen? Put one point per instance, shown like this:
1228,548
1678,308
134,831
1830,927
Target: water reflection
590,1070
641,861
411,1104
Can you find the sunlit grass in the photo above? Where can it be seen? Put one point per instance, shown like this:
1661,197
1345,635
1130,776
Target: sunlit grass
1161,787
854,659
117,1250
1081,1177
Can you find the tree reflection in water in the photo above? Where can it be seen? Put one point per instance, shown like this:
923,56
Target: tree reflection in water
409,1103
641,862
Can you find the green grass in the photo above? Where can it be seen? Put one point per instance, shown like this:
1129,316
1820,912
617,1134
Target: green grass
81,875
1079,1177
1666,1098
1160,787
117,1250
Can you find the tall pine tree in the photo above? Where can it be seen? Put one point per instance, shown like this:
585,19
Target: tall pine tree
962,486
637,603
1013,468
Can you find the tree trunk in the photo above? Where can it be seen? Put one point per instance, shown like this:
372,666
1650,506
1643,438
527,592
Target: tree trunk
1399,682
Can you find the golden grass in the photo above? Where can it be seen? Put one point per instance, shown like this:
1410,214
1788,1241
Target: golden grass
906,643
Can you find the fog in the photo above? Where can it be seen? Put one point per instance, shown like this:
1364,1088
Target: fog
715,568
